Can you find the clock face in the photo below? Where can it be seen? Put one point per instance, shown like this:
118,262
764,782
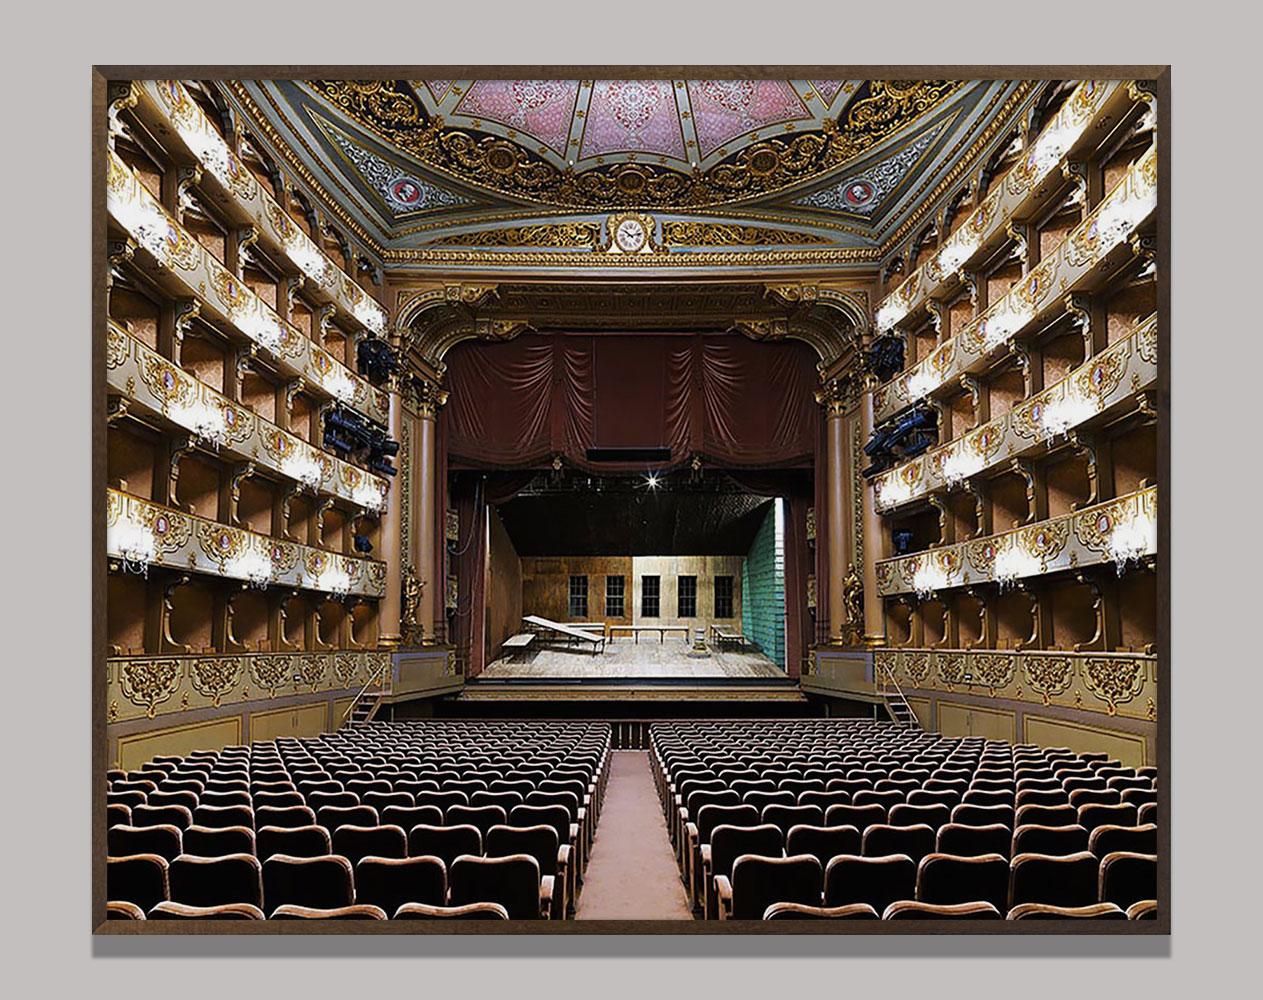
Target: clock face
630,235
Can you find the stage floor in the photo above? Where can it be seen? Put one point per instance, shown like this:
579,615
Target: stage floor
626,659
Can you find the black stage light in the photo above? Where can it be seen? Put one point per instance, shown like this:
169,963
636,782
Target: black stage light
362,544
885,357
902,541
376,360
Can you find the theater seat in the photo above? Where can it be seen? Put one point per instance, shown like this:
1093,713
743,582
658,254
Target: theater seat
226,911
908,909
513,882
801,911
392,882
232,878
970,841
951,879
121,910
298,841
291,911
1136,839
1053,840
164,841
758,882
875,881
823,842
445,842
1045,911
1127,877
539,842
470,911
1062,881
883,840
728,843
210,842
355,842
325,883
1145,909
142,879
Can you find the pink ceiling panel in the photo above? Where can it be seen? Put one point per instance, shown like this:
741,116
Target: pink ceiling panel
633,116
542,109
725,109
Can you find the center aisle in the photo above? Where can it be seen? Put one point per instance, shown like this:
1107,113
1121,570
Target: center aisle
632,874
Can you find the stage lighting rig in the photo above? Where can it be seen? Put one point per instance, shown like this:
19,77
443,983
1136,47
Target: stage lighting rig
376,360
885,357
904,438
348,433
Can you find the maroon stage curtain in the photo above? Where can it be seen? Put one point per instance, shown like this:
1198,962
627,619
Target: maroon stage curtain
823,540
732,401
472,493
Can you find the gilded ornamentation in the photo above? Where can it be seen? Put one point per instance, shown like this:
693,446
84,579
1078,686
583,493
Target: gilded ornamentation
1114,681
569,235
165,381
149,683
345,667
214,678
952,669
715,234
221,543
271,673
1049,676
311,670
916,670
993,671
391,110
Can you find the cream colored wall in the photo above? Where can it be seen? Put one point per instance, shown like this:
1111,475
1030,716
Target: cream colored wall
669,569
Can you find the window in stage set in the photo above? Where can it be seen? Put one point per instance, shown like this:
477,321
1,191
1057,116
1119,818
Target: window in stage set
579,596
686,597
723,597
650,590
614,591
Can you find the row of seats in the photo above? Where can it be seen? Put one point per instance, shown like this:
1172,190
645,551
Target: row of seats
405,819
829,814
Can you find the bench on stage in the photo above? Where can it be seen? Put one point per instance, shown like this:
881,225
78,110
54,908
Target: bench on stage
721,636
662,630
570,633
519,643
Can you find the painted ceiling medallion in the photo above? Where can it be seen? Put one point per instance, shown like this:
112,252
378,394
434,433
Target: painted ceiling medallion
667,144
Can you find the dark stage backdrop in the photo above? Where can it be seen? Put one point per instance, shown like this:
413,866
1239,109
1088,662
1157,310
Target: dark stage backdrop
742,406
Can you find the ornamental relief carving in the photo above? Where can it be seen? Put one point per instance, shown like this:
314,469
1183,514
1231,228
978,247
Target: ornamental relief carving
994,671
1114,681
149,683
214,678
271,673
1048,676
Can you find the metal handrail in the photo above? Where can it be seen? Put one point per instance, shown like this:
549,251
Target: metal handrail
899,691
387,663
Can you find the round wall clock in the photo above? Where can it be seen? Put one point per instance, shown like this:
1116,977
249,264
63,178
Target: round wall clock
630,235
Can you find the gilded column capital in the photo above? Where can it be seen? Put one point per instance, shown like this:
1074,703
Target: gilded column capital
424,396
838,395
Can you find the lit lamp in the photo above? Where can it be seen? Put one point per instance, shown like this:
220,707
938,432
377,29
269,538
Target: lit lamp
1013,562
1132,538
369,496
1067,410
253,565
204,420
336,580
929,578
134,542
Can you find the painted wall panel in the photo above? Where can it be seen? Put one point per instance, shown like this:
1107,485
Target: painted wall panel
1127,747
137,749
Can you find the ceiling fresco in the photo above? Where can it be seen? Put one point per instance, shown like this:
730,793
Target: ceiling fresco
714,163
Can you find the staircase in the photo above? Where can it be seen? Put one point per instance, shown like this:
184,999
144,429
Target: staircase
371,697
897,706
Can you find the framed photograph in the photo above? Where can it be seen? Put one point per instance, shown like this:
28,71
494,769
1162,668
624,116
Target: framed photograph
685,504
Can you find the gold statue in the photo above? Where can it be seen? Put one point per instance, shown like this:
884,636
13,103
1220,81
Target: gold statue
410,619
853,598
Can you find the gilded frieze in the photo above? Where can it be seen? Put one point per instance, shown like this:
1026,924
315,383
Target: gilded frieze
717,234
150,687
563,235
1123,685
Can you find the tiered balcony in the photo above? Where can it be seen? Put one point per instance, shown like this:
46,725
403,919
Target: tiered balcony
156,388
167,108
140,533
1098,388
186,269
1025,189
1118,531
1084,259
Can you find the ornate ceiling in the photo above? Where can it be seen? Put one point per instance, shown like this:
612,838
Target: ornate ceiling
475,167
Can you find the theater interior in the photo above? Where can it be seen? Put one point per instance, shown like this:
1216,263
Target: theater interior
656,500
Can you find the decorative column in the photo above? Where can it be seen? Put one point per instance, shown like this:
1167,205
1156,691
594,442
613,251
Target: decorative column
831,396
425,502
874,619
389,622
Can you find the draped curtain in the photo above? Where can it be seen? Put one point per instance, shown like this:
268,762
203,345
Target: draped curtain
733,401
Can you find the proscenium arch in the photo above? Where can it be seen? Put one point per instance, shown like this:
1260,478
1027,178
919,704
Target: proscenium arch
832,322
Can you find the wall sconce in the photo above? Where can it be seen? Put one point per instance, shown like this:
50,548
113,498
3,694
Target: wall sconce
134,542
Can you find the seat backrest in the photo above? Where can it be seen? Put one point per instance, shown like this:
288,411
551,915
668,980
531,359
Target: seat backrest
823,842
165,841
875,881
140,879
505,800
144,815
209,841
1122,814
1053,840
711,816
801,911
881,840
205,815
951,878
555,816
299,815
177,798
539,841
225,911
1070,880
1128,877
323,882
512,881
409,816
727,843
392,882
332,817
973,814
933,815
910,909
1046,911
470,911
1137,839
860,817
230,878
355,842
292,911
758,882
970,841
446,842
886,798
483,817
383,800
296,841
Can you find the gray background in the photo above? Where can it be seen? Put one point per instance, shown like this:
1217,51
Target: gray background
48,53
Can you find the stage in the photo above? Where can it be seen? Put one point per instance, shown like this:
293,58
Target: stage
626,659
